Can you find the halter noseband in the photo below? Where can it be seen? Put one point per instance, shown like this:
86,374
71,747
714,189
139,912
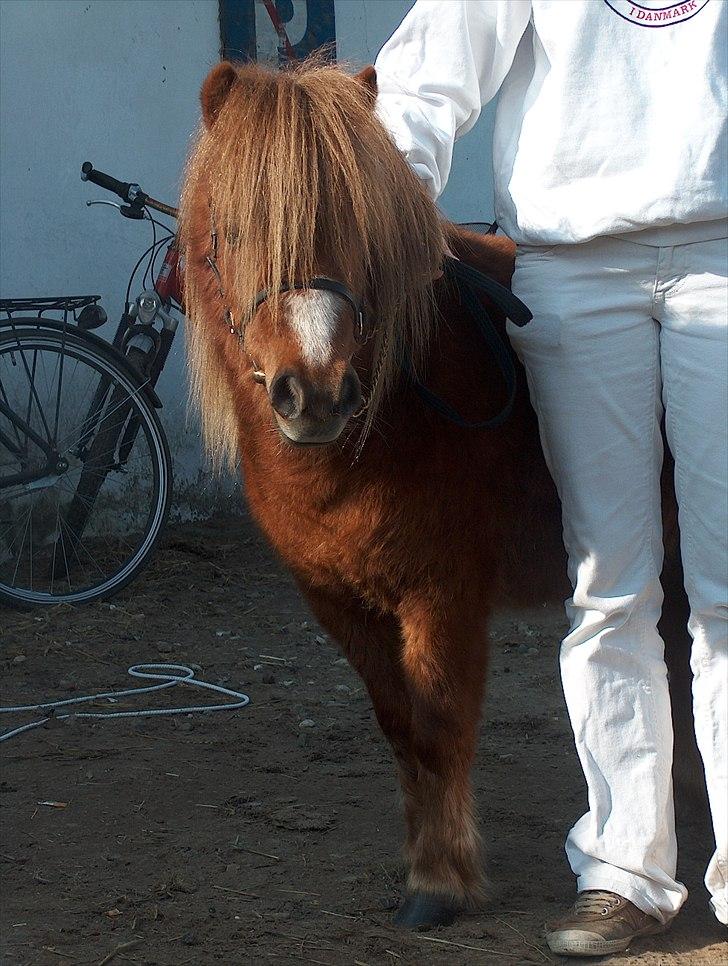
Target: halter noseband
323,284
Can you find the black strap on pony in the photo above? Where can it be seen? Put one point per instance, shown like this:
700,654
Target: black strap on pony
469,281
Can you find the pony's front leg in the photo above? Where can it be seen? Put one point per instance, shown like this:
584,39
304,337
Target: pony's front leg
372,642
444,660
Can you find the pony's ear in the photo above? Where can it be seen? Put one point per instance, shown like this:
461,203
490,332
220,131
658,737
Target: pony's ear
215,89
368,80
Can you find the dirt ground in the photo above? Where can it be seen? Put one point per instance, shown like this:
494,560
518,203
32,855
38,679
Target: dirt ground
271,834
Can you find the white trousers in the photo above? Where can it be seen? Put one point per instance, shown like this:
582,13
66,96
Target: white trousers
623,332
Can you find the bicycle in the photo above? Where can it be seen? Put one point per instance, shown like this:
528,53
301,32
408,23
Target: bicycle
85,467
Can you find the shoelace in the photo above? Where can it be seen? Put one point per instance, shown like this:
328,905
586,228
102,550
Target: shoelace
595,902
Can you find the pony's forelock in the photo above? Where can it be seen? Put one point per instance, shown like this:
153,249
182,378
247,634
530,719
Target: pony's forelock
297,165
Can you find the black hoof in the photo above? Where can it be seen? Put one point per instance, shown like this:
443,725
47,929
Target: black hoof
424,911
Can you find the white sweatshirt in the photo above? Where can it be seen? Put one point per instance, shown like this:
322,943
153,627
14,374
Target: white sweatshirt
611,118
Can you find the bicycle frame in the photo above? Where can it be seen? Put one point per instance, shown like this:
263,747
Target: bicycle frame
168,287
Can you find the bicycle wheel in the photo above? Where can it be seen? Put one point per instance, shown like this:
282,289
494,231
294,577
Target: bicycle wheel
83,524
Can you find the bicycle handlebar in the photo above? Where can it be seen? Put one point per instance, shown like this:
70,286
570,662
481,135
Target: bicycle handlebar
129,192
120,188
160,206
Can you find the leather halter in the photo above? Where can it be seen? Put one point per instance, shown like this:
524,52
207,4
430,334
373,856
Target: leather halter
324,284
319,282
467,280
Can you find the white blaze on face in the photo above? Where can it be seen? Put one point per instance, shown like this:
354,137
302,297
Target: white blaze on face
313,315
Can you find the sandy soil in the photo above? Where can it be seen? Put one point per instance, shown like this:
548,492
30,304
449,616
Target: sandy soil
271,834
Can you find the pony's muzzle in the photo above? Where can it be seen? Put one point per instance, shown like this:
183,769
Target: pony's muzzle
307,413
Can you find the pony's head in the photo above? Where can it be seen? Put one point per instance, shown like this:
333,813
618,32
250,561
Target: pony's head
310,249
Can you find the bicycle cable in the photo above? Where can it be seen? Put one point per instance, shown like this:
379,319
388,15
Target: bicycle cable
151,255
155,249
139,261
160,224
155,253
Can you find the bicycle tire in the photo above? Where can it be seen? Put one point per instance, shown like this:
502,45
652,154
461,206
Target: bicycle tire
105,361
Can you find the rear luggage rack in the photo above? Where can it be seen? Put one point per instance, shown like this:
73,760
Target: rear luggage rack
38,306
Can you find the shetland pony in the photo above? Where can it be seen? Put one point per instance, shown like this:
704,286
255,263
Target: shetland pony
402,530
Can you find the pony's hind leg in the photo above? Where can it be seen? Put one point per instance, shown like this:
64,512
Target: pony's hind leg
372,643
444,659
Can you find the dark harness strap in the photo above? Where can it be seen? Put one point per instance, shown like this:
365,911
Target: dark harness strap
468,281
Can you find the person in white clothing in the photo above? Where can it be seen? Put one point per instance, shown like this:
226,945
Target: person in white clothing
610,162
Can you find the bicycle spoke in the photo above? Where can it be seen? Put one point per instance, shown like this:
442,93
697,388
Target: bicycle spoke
28,413
13,527
17,536
60,383
78,542
55,544
4,532
83,398
34,395
47,385
89,506
62,444
65,557
7,403
30,544
20,551
79,396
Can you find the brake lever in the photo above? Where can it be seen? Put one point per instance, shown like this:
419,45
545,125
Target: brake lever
111,204
128,211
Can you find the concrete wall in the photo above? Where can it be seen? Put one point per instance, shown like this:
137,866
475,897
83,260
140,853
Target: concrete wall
362,26
116,82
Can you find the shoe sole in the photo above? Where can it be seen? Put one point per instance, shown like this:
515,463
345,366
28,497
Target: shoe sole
580,942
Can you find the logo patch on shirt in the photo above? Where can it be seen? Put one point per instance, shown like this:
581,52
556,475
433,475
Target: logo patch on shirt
656,13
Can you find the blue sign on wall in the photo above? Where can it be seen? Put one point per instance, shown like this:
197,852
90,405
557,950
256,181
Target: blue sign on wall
282,30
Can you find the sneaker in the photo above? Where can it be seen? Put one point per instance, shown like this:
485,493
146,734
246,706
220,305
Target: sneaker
600,923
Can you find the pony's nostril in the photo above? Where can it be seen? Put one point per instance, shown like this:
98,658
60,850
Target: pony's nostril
286,395
350,398
294,398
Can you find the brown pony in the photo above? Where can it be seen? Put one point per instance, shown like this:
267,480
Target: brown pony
402,530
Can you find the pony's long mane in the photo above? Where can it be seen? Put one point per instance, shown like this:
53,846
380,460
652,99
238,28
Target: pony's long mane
296,164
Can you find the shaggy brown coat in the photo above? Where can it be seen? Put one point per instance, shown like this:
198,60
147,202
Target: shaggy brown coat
403,548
